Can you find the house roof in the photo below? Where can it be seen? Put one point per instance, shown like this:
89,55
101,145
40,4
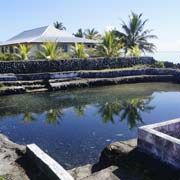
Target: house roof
45,34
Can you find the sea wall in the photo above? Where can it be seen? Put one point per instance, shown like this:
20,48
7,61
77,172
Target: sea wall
40,66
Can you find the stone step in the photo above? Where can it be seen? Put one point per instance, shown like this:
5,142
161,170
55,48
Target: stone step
109,81
86,173
34,87
37,90
105,174
21,83
81,172
12,90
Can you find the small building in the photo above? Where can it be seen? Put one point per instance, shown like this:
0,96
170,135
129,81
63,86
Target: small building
38,36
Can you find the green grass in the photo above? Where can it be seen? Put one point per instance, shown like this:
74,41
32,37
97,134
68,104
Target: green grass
114,69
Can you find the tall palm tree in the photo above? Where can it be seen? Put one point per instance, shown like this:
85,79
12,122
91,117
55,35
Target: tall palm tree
134,51
78,51
49,51
135,34
23,51
110,46
59,25
92,34
79,33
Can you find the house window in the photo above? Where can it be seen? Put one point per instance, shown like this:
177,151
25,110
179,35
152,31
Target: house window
65,48
11,49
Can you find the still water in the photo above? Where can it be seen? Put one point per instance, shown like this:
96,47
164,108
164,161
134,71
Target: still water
167,56
74,126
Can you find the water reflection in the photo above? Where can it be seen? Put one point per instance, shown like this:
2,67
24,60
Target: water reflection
28,117
54,116
80,110
104,114
129,110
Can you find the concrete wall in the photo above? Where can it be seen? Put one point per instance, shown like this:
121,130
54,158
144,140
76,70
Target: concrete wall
159,140
39,66
48,166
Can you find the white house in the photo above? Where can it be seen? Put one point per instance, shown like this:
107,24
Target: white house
40,35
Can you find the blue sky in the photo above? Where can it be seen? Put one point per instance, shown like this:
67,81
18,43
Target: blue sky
163,15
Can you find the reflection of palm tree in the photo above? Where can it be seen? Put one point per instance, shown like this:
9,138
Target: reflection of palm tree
53,116
28,117
108,110
129,109
80,110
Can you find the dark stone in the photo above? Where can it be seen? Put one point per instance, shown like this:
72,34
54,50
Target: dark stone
40,66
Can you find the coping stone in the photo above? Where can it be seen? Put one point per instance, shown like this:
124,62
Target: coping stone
48,165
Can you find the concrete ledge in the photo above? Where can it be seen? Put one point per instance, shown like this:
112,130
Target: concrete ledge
49,166
161,140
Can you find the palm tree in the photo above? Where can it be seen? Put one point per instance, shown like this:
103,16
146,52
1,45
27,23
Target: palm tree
79,33
92,34
78,51
135,34
110,46
59,25
134,51
50,51
23,51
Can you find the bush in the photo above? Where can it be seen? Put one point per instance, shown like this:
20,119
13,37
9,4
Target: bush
159,64
7,57
1,178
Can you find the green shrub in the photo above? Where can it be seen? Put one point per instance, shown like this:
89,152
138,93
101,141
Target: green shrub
159,64
1,178
7,57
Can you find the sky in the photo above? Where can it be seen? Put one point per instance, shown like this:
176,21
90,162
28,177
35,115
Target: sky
163,15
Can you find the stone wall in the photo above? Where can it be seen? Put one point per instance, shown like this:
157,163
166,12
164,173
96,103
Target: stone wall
40,66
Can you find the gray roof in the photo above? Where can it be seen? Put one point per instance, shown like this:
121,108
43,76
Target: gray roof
45,34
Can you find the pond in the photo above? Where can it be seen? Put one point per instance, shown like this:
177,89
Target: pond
74,126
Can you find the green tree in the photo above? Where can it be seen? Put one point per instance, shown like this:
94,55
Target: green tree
79,33
134,34
23,52
134,51
78,51
50,51
110,46
92,34
59,25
